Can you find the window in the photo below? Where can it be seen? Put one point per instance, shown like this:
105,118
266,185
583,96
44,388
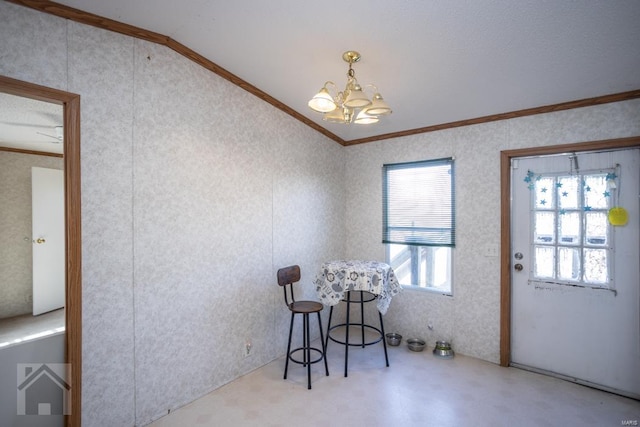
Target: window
418,202
571,233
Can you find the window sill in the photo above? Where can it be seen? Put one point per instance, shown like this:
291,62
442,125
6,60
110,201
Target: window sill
435,291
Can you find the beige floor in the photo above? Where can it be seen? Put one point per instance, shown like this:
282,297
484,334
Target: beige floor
417,389
15,330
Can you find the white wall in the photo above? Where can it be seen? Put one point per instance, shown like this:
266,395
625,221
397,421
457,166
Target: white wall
190,203
469,319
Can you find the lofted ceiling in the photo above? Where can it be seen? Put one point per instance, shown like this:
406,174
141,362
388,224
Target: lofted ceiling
435,62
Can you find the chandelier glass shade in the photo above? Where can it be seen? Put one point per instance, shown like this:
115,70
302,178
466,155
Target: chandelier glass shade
351,105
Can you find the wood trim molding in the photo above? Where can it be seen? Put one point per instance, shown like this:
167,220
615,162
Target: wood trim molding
37,153
505,259
505,220
80,16
623,96
73,277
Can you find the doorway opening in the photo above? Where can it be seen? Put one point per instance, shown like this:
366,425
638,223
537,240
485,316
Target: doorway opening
73,259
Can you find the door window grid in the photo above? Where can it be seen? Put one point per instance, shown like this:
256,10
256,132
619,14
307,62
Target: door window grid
571,235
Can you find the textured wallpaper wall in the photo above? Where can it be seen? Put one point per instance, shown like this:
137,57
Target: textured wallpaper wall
16,249
470,318
188,210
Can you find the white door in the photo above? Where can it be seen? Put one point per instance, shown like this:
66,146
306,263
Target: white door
47,194
576,299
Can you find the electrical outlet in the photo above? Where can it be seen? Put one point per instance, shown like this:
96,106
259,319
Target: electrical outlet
247,349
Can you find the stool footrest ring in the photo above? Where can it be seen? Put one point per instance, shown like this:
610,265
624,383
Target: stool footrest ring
302,362
363,298
356,344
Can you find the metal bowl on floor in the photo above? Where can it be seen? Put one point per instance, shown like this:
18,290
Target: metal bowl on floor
443,349
415,344
393,339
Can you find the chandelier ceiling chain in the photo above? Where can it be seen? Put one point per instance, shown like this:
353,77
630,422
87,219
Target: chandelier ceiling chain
351,105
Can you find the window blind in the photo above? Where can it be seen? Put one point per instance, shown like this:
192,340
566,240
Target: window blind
418,202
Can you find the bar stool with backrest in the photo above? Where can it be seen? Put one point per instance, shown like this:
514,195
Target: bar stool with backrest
287,276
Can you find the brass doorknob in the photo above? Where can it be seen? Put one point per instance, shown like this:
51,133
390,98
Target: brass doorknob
518,267
40,240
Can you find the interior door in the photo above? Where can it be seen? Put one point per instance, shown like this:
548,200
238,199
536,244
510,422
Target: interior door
575,285
47,194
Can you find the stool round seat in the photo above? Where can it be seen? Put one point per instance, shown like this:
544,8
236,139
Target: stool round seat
305,307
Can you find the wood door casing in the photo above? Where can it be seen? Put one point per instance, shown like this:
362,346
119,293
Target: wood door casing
73,229
505,221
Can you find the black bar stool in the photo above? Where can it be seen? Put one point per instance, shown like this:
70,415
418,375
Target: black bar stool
365,297
287,276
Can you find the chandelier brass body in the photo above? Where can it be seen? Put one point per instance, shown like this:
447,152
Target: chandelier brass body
352,104
351,56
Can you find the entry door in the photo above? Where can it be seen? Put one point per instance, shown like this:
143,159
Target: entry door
575,279
47,196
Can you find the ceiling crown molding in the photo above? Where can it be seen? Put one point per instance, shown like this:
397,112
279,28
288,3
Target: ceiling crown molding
86,18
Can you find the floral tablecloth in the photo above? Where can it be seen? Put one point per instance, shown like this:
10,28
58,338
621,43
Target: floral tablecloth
337,277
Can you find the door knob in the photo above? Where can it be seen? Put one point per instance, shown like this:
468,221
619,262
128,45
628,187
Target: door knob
518,267
40,240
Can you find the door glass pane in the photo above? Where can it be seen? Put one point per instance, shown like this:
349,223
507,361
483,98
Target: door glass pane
596,195
568,264
569,228
568,192
544,267
544,228
571,231
544,193
596,228
595,266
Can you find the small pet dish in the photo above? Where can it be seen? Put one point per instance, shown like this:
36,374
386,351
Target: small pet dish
443,350
416,344
393,339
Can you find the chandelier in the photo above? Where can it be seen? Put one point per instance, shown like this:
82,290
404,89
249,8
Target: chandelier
351,105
